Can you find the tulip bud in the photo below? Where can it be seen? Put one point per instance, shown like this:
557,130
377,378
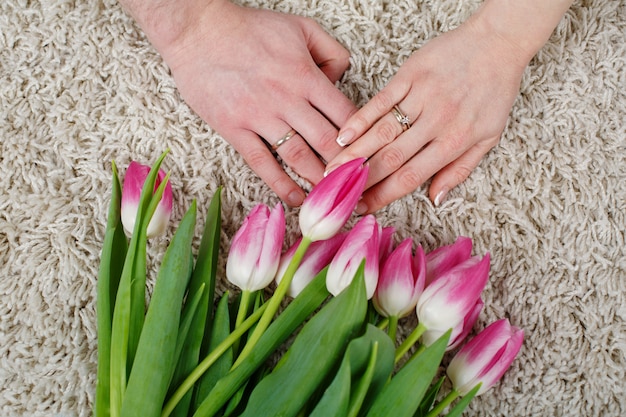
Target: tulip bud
401,281
361,243
317,257
459,332
255,249
331,202
485,358
445,258
447,301
134,180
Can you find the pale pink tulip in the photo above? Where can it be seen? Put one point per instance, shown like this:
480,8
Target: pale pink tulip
134,180
450,299
460,331
361,243
401,280
331,202
255,249
485,358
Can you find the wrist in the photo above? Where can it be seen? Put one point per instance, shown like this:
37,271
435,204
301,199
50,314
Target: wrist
167,23
523,26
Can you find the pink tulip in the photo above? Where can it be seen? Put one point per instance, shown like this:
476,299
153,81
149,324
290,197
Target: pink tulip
331,202
401,281
386,242
459,332
361,243
449,300
255,249
317,257
446,257
485,358
134,180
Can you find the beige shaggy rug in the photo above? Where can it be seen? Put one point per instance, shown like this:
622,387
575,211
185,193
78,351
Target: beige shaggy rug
80,86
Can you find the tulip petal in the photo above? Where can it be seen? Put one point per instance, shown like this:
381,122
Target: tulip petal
331,202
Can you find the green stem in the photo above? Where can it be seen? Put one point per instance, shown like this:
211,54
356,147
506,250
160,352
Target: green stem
393,328
275,301
410,341
210,359
436,410
244,305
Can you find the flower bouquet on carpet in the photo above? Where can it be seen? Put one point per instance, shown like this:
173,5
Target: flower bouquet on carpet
323,344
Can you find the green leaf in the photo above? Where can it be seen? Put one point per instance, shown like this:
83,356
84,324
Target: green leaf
204,274
154,363
284,325
404,393
380,366
111,264
128,314
429,398
336,398
220,331
187,316
313,355
149,200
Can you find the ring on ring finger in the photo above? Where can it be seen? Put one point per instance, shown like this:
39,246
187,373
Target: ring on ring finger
283,139
402,118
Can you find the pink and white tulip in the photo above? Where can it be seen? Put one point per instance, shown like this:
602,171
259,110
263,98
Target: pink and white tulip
255,249
485,358
442,259
459,332
361,243
451,298
386,242
317,257
401,281
331,202
134,180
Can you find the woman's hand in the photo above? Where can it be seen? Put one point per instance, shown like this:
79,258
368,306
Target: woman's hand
253,75
457,92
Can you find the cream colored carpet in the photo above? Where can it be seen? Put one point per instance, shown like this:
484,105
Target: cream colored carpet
81,86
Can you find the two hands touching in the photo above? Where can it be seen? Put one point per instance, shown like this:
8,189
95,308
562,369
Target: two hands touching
266,82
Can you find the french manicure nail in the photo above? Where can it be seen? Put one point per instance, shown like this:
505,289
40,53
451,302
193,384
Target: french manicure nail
345,137
441,196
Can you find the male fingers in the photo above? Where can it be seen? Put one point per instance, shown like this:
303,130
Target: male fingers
327,53
261,161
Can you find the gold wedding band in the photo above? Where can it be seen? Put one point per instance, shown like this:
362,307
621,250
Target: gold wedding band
284,139
402,118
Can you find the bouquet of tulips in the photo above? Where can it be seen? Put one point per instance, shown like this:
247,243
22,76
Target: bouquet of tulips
326,352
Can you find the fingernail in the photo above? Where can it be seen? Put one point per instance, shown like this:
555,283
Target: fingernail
329,169
441,196
361,208
345,138
295,198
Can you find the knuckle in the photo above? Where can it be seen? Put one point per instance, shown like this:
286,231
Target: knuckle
461,173
383,101
256,158
326,141
386,132
295,154
410,179
391,158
